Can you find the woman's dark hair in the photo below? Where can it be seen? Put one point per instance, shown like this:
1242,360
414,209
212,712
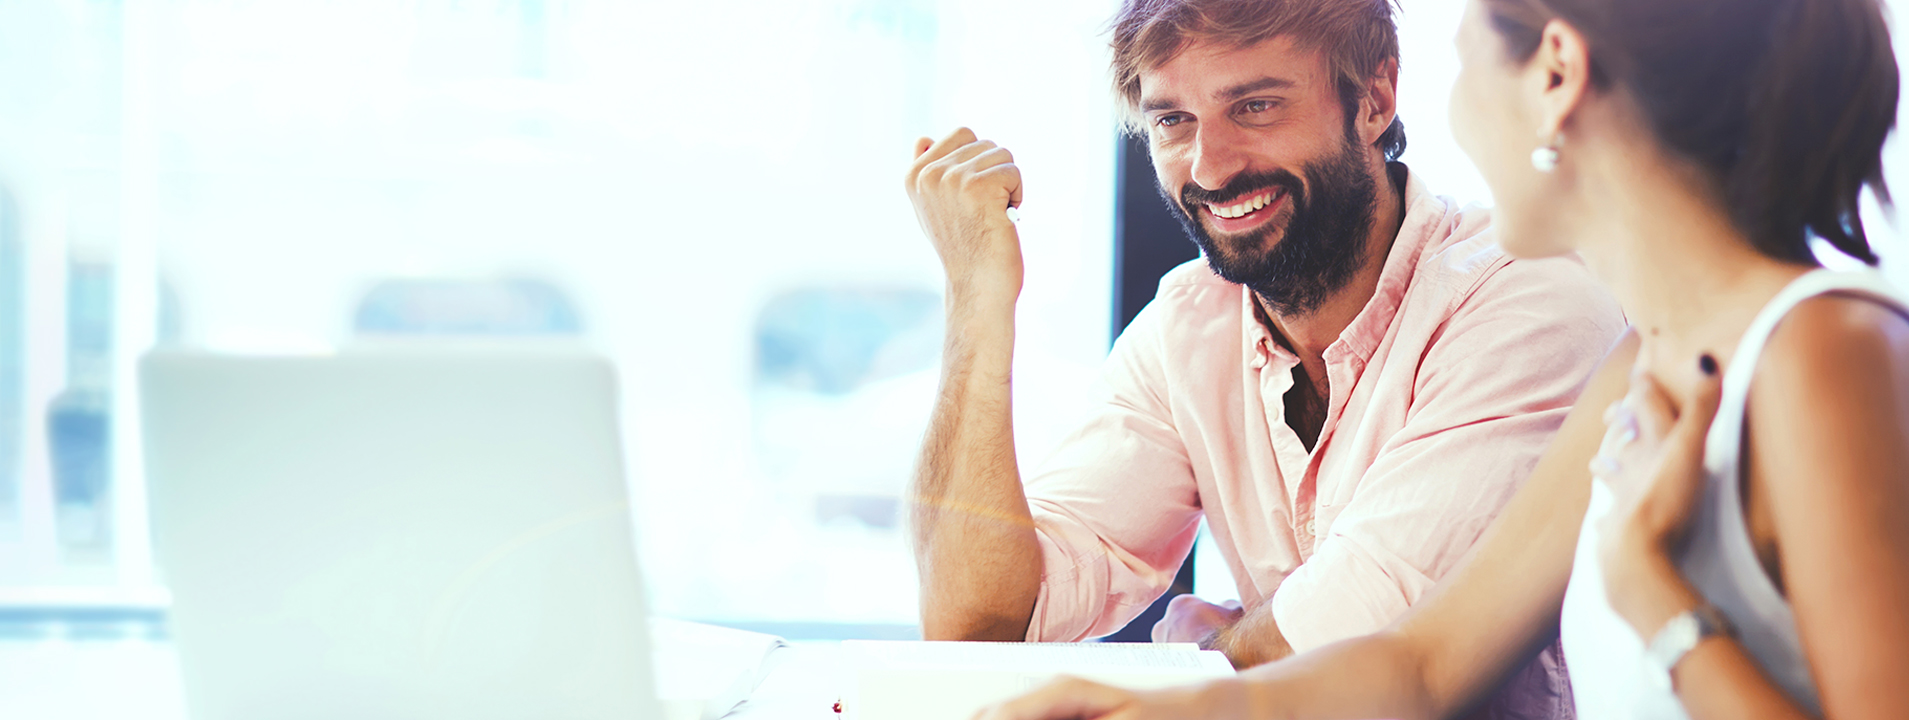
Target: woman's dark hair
1784,104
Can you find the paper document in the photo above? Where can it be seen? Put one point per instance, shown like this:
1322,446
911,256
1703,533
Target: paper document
952,680
704,671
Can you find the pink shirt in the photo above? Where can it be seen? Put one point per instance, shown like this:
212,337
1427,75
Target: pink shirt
1444,391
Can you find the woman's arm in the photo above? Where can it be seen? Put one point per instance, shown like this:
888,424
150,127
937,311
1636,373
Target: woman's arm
1829,433
1492,615
1489,617
1828,460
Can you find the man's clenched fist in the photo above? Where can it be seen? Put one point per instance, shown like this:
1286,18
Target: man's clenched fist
962,188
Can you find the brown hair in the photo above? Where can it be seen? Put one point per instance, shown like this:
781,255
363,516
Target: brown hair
1783,104
1358,37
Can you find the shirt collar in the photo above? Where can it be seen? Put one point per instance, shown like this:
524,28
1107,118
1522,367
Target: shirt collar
1427,218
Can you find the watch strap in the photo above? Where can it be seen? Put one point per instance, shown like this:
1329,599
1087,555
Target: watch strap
1682,634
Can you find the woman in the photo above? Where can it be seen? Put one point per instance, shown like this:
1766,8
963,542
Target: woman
1740,545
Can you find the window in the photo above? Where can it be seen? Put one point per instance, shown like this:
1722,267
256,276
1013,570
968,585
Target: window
708,192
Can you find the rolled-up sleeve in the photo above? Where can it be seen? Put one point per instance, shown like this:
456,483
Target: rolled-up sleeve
1491,390
1115,506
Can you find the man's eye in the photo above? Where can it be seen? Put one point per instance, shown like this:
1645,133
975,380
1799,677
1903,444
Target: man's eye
1259,113
1173,128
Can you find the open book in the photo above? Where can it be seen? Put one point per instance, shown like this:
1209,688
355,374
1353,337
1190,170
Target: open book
952,680
703,671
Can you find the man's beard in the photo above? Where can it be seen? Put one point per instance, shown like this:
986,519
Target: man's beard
1327,228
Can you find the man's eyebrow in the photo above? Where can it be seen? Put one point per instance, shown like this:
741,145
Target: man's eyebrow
1247,88
1157,104
1229,94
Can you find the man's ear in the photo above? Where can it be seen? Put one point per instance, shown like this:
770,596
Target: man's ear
1561,76
1381,104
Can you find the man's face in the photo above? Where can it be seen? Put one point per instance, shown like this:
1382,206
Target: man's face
1255,153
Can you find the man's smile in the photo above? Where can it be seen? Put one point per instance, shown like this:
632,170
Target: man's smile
1248,212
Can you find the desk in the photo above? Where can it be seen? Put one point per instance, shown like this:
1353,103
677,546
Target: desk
803,685
121,674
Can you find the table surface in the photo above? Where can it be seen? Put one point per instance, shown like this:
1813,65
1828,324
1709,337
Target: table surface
126,674
803,685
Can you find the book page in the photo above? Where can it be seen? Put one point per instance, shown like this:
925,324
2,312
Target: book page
704,671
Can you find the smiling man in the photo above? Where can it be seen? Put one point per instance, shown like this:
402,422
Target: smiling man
1347,387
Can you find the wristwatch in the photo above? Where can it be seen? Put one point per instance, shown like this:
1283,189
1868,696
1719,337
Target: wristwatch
1680,635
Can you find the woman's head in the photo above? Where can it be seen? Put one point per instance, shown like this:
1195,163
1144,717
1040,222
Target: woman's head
1779,108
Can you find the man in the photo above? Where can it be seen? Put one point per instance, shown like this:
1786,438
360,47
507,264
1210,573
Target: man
1348,388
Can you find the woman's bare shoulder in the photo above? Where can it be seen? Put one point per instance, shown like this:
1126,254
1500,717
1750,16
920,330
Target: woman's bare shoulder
1841,346
1830,394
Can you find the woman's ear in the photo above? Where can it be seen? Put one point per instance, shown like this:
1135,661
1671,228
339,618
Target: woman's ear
1562,72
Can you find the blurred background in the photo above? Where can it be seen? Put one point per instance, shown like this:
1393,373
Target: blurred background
708,192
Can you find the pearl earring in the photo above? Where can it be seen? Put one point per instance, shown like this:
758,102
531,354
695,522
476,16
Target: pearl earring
1545,158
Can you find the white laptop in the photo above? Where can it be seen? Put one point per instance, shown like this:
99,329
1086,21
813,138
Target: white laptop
397,534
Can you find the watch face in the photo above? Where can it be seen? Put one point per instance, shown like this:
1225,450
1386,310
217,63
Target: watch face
1683,632
1676,638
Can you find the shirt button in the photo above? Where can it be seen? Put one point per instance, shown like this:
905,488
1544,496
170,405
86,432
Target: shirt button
1313,528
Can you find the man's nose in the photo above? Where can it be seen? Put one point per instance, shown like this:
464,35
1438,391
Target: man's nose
1216,157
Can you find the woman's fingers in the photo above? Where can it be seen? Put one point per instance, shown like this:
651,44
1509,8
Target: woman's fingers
1654,410
1679,478
1693,420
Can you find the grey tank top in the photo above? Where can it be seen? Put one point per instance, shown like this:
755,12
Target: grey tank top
1610,677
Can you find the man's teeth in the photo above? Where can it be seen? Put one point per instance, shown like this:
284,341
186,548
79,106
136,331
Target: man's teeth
1240,209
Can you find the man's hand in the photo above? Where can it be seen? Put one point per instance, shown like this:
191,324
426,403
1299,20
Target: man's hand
962,188
1246,638
1190,619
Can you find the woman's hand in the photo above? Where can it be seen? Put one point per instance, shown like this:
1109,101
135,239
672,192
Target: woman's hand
1077,699
1652,461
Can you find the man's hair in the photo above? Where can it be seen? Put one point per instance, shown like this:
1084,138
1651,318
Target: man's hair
1357,36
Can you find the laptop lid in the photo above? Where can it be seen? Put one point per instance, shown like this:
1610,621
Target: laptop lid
399,533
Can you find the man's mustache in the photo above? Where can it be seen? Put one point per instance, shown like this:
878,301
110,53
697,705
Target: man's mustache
1192,195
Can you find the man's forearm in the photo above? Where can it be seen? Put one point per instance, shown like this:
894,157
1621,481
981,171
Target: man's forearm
974,540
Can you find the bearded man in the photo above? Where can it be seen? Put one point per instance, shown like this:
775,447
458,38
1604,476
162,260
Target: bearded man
1347,389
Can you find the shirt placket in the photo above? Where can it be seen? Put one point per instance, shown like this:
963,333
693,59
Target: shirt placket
1342,371
1275,368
